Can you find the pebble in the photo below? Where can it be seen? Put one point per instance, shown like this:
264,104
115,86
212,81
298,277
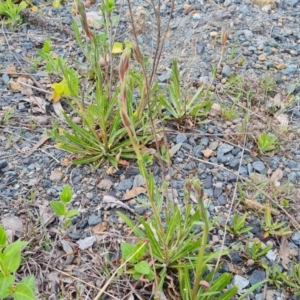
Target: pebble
225,148
105,184
226,71
289,70
125,185
256,277
296,238
259,167
138,181
56,176
94,220
240,282
181,138
271,255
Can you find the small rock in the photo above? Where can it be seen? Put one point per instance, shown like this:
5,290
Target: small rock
263,57
125,185
263,3
105,184
248,35
267,8
5,78
226,71
41,120
257,276
222,200
296,238
289,70
227,3
280,66
225,148
138,181
240,282
94,19
271,255
56,176
196,16
198,150
208,182
235,257
181,138
259,167
175,149
94,220
3,164
214,34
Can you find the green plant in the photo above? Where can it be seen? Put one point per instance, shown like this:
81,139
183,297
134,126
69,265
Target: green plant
12,11
61,207
7,116
229,114
273,228
102,135
293,279
10,261
254,249
275,276
267,83
238,225
178,108
177,239
137,267
266,143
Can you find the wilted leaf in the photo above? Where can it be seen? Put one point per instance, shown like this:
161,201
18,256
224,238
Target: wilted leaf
207,153
58,110
277,101
69,251
34,8
283,119
94,19
277,176
100,227
284,252
117,48
111,201
134,192
86,243
256,205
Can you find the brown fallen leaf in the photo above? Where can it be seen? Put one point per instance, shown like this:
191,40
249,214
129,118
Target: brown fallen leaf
277,101
46,214
14,86
100,228
134,192
277,176
284,252
283,119
207,153
67,246
9,70
258,206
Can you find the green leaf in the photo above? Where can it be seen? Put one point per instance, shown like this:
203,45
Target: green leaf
5,283
58,207
23,291
30,282
142,267
127,250
71,213
3,237
47,46
12,256
66,194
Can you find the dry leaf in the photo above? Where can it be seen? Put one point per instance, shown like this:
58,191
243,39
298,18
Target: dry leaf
175,148
14,86
186,6
208,153
111,201
216,108
100,227
111,170
94,19
277,176
283,119
38,105
42,140
205,284
69,251
10,70
58,110
277,101
46,214
13,223
284,252
257,206
86,243
134,192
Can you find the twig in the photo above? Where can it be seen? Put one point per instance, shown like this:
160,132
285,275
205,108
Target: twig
35,88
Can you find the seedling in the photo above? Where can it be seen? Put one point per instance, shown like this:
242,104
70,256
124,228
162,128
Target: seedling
266,143
238,225
273,228
10,261
139,268
255,250
12,11
7,116
179,108
60,207
275,276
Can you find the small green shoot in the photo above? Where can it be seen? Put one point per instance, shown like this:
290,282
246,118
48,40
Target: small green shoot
255,250
12,11
136,266
7,116
273,228
276,276
10,261
266,143
238,225
60,207
179,108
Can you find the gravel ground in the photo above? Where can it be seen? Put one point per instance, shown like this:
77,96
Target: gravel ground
263,42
